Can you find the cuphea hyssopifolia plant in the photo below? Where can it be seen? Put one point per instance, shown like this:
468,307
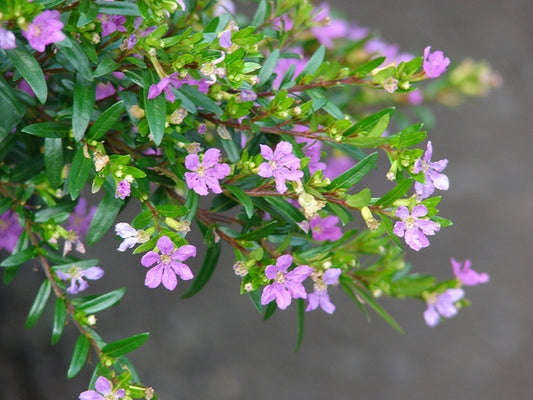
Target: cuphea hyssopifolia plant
278,121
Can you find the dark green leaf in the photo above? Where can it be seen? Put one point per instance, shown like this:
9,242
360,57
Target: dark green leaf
314,62
260,14
270,308
232,150
84,98
60,317
19,257
200,99
300,303
386,222
118,8
106,66
255,298
171,210
155,110
367,126
48,129
366,142
53,160
81,351
284,209
30,70
105,216
106,120
410,136
76,56
79,173
206,271
354,174
259,233
243,198
268,67
124,346
192,201
102,302
39,303
398,191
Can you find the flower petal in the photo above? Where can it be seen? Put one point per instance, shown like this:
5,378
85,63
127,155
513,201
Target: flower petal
165,245
154,276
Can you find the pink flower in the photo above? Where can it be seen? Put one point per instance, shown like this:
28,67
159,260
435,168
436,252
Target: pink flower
325,228
123,189
311,149
432,174
44,29
80,218
104,90
442,305
76,274
104,391
112,23
286,285
337,165
281,164
7,39
320,296
434,63
466,275
168,264
414,227
206,173
10,231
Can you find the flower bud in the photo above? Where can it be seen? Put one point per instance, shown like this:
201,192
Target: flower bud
136,111
370,221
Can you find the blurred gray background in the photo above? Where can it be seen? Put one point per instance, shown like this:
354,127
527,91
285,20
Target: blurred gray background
215,345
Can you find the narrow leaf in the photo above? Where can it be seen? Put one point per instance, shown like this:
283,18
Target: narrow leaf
270,308
300,303
155,110
102,302
395,193
206,271
360,199
243,198
200,99
48,129
105,216
53,160
260,14
354,174
39,303
259,233
268,67
79,173
20,257
76,56
314,62
118,8
284,209
81,351
30,70
124,346
106,120
60,317
84,98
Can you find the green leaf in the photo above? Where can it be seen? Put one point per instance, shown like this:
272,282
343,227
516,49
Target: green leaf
300,303
118,8
102,301
60,317
269,310
106,120
255,298
314,62
192,201
409,136
268,67
79,173
53,160
360,199
397,192
206,271
106,66
155,110
366,142
48,129
260,14
39,303
84,98
200,99
30,70
371,125
259,233
284,209
363,70
377,308
124,346
76,56
105,216
344,215
386,222
19,257
231,149
243,198
354,174
81,351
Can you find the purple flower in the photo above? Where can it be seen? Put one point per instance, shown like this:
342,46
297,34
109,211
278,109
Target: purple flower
281,164
435,63
10,231
112,23
44,29
225,39
168,264
320,296
130,235
337,165
284,64
7,39
286,285
104,391
206,173
75,275
123,189
165,85
311,149
466,275
248,95
104,90
414,226
325,228
332,28
80,219
432,173
442,305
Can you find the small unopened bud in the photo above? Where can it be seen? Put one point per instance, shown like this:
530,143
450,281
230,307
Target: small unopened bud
248,287
183,226
240,268
310,205
136,111
390,84
100,161
91,320
178,116
370,221
149,393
